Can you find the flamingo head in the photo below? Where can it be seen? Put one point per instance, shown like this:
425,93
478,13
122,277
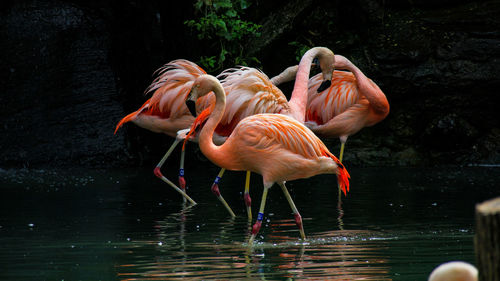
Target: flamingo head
326,60
203,85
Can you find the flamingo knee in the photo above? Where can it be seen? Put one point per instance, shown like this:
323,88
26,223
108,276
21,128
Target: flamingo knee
298,220
258,223
157,172
215,189
215,186
248,200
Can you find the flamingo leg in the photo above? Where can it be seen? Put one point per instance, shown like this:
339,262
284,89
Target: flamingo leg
178,189
182,181
157,172
260,216
296,214
164,158
216,191
248,200
341,156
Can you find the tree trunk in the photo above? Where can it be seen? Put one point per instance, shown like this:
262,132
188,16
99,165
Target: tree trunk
487,240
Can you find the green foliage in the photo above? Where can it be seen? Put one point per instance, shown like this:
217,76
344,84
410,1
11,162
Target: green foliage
300,49
222,28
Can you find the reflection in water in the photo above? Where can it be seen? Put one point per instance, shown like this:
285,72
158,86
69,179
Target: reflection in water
340,216
332,255
337,255
93,225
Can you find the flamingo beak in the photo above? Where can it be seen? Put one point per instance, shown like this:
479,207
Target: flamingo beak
325,85
191,105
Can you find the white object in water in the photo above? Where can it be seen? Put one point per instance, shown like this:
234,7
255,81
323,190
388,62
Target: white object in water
454,271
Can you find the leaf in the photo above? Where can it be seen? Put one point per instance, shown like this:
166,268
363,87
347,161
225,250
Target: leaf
244,4
222,4
198,5
231,13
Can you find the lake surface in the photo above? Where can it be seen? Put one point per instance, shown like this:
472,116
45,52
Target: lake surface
125,224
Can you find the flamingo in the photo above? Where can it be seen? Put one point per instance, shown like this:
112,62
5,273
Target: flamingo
352,102
162,113
276,146
165,111
249,92
454,271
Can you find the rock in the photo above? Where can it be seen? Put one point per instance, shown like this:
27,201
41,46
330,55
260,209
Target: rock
58,89
70,70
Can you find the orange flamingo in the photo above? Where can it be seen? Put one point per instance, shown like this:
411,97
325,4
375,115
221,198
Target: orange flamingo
352,102
275,146
165,112
249,92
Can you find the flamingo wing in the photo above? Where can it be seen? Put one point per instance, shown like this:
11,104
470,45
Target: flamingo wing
249,92
171,87
276,134
266,131
165,111
341,95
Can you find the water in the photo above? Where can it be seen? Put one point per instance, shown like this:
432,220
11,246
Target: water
395,224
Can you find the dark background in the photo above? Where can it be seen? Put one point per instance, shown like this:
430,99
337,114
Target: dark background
70,70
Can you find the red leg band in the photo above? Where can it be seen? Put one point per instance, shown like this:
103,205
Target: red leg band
248,200
256,227
215,189
157,172
298,219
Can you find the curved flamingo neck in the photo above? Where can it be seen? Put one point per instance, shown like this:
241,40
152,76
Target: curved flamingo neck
298,100
213,152
287,75
360,76
378,100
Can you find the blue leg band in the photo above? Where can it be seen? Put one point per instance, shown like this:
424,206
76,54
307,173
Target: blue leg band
260,216
217,179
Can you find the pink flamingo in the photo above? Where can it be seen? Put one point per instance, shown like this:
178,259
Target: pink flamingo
249,92
165,112
275,146
352,102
